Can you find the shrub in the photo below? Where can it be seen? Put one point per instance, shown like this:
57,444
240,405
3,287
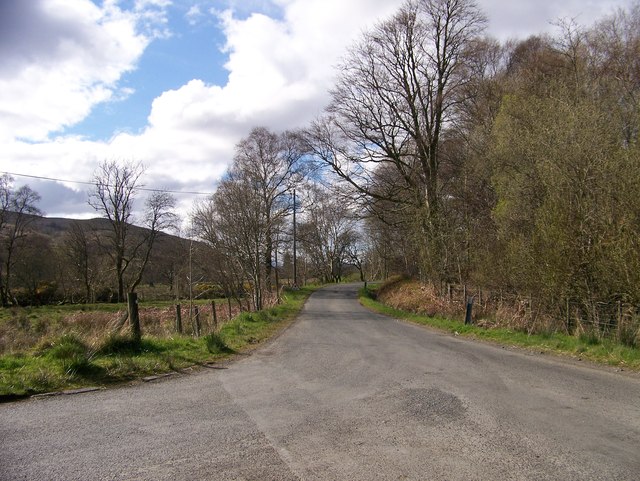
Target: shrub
215,344
246,317
74,354
590,338
262,316
119,344
629,333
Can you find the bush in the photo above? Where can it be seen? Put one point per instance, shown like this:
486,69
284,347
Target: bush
629,333
118,344
590,338
45,293
262,316
105,294
215,344
74,354
245,317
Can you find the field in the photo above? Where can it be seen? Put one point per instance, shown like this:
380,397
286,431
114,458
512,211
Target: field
66,347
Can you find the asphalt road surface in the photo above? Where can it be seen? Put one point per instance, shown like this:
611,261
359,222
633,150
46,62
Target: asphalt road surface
343,394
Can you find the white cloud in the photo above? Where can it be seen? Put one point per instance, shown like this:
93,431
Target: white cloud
510,20
151,16
61,58
193,14
279,74
280,67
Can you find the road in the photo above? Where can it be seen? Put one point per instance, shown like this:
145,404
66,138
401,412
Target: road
343,394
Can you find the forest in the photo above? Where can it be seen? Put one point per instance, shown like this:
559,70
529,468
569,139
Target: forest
444,155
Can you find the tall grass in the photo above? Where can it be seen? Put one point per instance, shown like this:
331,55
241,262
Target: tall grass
60,349
583,346
22,329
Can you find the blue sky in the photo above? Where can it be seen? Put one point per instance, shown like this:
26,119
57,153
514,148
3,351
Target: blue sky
176,84
191,50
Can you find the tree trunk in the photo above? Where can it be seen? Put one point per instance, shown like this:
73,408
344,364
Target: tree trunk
3,294
120,275
132,302
268,259
178,319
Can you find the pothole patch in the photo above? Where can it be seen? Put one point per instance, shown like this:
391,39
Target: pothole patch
433,405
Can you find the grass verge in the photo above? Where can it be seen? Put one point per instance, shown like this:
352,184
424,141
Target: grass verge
581,347
68,362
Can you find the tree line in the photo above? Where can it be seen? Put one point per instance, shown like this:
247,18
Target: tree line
513,166
91,260
443,154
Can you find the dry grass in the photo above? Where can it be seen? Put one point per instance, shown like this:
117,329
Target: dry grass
425,299
63,347
410,295
585,344
23,329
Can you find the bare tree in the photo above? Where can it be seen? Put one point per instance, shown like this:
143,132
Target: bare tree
613,47
77,250
397,93
115,189
159,217
328,235
231,222
223,266
243,219
270,163
34,271
17,208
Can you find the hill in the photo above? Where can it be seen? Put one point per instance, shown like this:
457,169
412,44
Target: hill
55,228
61,259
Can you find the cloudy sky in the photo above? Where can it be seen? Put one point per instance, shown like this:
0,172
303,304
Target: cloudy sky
176,83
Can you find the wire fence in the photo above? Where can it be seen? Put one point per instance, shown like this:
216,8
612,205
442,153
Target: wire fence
617,320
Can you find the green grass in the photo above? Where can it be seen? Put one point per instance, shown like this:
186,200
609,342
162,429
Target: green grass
67,362
582,347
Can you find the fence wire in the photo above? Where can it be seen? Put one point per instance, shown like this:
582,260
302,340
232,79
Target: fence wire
617,320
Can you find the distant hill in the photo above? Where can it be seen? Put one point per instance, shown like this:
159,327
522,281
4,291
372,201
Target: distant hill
56,227
45,267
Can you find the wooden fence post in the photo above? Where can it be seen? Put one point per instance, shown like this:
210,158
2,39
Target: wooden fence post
467,317
132,306
229,302
619,315
196,316
178,319
214,316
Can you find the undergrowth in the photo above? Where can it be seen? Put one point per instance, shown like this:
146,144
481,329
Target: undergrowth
79,355
583,346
